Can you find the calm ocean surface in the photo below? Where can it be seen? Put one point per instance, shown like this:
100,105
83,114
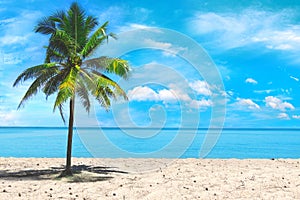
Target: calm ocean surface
51,142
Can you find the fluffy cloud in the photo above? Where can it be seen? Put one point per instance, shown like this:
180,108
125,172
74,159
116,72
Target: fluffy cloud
251,80
278,104
144,93
201,87
296,116
283,116
248,103
167,95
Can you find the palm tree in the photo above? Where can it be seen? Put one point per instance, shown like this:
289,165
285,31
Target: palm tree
66,70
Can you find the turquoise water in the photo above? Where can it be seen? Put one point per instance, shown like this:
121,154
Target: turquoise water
232,143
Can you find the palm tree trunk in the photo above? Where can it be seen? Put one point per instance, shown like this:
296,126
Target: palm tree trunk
68,171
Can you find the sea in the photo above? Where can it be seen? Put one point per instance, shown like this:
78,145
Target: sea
51,142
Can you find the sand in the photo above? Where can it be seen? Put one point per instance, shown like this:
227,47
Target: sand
37,178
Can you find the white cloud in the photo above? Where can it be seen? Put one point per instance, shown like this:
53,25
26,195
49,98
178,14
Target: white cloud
201,87
212,22
169,49
167,95
294,78
248,103
135,26
281,47
159,45
278,104
139,26
13,39
18,30
142,93
6,21
283,116
263,91
251,80
284,39
203,103
296,116
8,117
249,26
175,92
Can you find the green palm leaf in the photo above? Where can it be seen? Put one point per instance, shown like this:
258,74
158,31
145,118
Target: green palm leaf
66,88
54,82
34,72
111,65
95,40
37,84
45,26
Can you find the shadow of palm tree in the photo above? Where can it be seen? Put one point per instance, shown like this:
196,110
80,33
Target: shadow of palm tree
81,173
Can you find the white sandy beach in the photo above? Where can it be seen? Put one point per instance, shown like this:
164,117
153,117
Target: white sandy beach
36,178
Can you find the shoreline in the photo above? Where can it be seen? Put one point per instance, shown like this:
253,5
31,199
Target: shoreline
105,178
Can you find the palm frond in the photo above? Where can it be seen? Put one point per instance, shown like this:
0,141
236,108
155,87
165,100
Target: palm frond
54,82
100,63
58,17
75,25
61,112
99,84
119,67
96,89
37,84
53,55
115,66
66,88
95,40
83,93
34,72
103,98
110,93
63,42
45,26
90,23
104,81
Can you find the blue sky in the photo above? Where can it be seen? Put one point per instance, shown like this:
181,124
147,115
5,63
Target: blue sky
254,45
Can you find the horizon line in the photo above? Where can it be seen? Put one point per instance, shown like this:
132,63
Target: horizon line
165,128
